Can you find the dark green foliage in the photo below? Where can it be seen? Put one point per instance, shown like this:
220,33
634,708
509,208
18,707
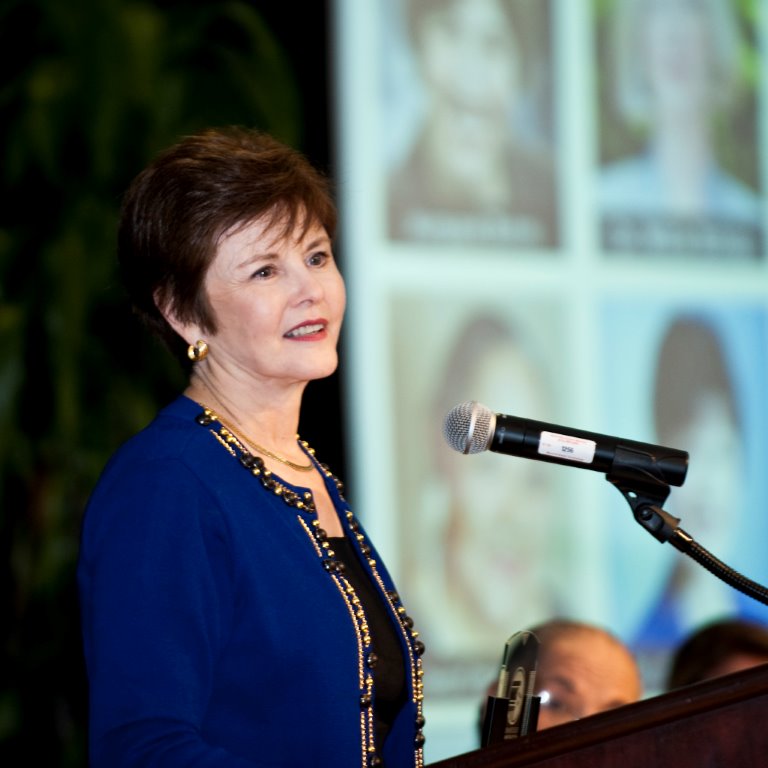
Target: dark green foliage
90,90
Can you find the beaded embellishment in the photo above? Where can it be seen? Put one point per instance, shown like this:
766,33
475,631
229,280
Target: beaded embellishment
335,569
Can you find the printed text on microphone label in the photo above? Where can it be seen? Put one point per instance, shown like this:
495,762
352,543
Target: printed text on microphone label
567,447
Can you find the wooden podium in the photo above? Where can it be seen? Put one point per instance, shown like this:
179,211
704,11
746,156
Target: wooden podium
721,723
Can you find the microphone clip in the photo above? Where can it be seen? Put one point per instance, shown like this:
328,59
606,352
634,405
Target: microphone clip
645,498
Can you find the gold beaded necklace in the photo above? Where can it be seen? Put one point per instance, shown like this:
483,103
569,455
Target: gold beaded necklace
259,448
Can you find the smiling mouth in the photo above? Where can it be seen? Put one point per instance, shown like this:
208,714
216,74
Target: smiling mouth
305,330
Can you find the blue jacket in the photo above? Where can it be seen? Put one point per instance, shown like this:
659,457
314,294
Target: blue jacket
215,632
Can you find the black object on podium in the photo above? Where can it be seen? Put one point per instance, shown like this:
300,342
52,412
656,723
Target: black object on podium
514,710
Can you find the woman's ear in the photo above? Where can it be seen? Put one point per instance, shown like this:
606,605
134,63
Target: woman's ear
188,331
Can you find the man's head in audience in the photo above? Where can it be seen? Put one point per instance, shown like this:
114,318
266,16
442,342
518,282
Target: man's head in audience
718,648
582,670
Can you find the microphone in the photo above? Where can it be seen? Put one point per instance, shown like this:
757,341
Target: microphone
471,428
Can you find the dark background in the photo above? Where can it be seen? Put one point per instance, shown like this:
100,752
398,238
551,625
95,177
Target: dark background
90,90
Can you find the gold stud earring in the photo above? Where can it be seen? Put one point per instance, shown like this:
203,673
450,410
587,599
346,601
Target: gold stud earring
197,351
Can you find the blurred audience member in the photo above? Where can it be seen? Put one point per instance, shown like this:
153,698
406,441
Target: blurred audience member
718,648
582,669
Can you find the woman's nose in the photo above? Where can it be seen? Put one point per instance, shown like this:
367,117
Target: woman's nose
308,287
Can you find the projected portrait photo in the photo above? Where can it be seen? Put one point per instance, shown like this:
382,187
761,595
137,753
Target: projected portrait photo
706,391
697,406
483,535
679,156
469,113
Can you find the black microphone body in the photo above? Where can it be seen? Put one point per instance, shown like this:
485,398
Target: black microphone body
470,428
612,455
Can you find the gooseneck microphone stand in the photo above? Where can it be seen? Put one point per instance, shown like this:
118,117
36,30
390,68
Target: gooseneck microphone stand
645,496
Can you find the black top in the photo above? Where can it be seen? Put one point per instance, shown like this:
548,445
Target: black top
389,670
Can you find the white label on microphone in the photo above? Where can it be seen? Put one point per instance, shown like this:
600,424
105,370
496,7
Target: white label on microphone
567,447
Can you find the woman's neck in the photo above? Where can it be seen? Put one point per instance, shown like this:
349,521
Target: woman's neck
267,414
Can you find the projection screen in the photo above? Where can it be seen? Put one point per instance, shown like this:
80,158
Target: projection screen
556,209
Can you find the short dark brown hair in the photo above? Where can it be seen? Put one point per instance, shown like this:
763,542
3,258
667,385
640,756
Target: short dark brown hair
706,648
177,209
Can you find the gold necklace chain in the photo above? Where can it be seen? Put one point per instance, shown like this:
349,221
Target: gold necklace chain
259,448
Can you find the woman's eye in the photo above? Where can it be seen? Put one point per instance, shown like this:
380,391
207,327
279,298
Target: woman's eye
318,259
264,272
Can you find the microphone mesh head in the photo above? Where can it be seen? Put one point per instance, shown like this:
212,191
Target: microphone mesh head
468,428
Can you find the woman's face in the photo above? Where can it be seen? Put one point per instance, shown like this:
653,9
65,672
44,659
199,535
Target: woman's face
469,63
677,43
500,548
278,305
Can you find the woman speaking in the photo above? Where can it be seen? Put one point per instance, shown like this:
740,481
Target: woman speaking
234,611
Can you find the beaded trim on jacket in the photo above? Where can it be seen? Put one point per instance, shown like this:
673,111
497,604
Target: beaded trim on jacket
335,569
